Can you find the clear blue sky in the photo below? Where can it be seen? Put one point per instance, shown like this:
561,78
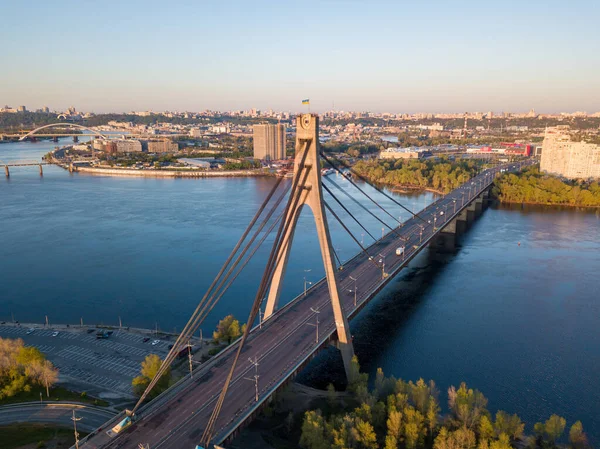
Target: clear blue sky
397,56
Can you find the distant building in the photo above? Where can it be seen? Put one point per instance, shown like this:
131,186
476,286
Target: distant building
404,153
128,146
45,109
269,142
195,132
162,146
22,109
564,157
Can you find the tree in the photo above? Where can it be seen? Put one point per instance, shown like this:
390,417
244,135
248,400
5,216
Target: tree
228,330
577,437
357,381
365,435
331,396
467,405
554,428
501,443
48,375
313,431
149,369
486,429
510,425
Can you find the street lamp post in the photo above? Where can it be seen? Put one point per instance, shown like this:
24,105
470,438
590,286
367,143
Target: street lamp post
255,377
382,232
382,261
305,281
355,291
75,419
421,234
316,311
454,201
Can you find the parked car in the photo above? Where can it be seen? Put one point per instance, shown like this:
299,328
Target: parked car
155,342
146,339
30,330
55,334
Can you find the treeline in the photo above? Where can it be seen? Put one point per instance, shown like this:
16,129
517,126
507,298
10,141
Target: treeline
22,367
426,140
531,186
443,175
404,415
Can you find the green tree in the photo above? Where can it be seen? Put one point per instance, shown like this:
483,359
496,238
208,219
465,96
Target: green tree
365,435
510,425
227,330
149,369
331,396
357,381
577,437
486,429
313,431
501,443
467,405
553,429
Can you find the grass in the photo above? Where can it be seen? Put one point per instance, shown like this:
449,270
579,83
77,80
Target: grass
17,435
56,394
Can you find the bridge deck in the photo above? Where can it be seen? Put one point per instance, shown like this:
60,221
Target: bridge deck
285,342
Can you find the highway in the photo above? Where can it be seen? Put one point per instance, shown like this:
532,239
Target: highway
287,339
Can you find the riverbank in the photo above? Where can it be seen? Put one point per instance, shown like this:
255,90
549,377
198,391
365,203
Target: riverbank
153,173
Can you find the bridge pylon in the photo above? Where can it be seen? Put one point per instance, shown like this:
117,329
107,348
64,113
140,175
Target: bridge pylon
307,175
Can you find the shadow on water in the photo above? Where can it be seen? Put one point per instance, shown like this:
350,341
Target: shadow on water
379,324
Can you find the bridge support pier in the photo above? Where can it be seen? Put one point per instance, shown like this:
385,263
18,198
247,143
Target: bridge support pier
446,238
6,171
41,170
461,222
307,178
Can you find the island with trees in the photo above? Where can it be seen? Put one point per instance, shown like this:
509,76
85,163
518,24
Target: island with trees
533,187
440,176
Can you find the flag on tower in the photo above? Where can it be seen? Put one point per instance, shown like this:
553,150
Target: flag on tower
307,101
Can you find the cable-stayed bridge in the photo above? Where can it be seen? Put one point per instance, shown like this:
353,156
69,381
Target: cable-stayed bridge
227,391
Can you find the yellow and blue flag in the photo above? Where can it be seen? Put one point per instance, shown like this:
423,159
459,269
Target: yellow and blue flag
307,101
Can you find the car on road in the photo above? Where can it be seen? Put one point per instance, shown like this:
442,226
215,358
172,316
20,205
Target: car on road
146,339
155,342
30,330
55,334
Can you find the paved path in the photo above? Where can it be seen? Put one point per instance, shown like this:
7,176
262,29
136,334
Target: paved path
55,414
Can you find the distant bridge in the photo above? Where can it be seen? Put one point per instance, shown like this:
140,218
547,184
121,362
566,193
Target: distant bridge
22,163
91,132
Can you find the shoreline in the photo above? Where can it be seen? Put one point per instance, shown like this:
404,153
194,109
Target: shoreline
533,203
126,172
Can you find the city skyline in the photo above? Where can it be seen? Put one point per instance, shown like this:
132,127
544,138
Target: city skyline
381,58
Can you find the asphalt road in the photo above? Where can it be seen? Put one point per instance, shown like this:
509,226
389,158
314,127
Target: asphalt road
286,340
55,414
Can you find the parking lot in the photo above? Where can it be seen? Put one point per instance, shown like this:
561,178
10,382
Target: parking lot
102,367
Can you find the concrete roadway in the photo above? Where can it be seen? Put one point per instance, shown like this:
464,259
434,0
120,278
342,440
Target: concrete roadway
55,414
285,341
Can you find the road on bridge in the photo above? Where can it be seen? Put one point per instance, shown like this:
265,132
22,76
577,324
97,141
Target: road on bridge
287,339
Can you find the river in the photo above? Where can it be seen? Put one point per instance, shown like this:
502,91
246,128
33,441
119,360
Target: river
518,322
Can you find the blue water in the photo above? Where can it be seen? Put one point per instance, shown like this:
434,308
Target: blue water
520,323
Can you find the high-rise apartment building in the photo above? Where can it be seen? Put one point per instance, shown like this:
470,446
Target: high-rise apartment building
564,157
269,142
